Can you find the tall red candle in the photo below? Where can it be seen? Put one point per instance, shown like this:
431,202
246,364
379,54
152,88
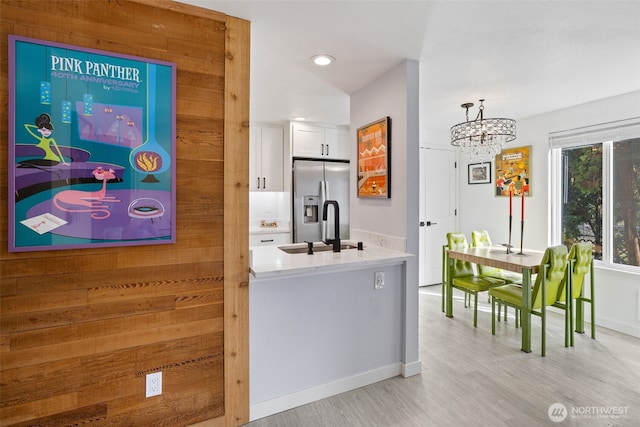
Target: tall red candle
510,202
522,206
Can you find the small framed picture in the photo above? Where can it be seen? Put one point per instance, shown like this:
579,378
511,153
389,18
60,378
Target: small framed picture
480,173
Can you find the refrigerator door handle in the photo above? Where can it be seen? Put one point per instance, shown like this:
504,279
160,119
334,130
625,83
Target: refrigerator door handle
323,198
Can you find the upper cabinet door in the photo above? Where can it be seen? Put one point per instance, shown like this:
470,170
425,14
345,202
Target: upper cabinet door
273,158
266,159
255,168
308,141
337,143
320,142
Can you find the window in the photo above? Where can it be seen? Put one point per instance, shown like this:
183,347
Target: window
626,202
596,191
581,210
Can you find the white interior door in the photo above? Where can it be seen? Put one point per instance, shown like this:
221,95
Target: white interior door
438,209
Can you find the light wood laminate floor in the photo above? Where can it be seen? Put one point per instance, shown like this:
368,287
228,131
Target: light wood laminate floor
471,378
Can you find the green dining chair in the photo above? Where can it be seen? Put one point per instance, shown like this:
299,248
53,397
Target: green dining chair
580,264
544,293
463,277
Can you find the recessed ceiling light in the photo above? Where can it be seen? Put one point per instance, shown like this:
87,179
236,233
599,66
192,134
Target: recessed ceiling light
323,60
299,118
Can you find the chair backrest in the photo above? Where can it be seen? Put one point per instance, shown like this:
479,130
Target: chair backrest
556,259
461,268
481,239
581,254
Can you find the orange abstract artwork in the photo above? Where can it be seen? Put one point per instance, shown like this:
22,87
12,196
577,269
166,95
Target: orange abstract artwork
373,159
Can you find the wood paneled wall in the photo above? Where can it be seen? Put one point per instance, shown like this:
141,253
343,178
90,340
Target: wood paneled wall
81,328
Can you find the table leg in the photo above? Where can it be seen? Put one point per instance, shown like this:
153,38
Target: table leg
525,315
445,266
449,296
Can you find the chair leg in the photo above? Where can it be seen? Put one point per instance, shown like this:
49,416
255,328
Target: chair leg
493,315
517,317
567,323
505,312
570,325
593,319
592,303
544,329
580,314
475,310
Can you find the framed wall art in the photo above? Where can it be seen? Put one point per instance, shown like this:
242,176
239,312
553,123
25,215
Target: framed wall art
513,172
374,159
479,173
91,148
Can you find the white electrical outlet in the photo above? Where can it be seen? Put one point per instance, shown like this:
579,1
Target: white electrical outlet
154,384
379,280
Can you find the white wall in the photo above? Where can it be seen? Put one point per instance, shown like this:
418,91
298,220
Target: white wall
617,294
394,94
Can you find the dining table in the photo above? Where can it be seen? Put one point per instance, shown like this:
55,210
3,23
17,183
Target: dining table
526,261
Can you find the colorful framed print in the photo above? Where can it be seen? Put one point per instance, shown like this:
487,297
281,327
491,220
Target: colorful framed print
91,148
374,159
513,172
479,173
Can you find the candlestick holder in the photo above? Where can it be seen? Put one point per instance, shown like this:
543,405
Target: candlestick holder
521,236
509,244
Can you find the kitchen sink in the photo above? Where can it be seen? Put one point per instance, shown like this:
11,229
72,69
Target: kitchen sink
317,247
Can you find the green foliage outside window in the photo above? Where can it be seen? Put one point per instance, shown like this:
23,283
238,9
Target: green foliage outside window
582,211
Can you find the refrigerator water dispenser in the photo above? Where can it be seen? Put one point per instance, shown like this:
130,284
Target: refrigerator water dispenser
310,209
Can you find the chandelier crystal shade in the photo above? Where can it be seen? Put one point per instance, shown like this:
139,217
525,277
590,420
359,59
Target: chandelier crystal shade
482,138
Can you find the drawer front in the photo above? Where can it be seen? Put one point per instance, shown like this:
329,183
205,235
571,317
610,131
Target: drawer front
265,239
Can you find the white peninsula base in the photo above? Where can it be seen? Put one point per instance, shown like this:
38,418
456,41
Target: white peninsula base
320,333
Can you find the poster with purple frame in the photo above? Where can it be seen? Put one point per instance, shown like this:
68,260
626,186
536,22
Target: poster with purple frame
91,148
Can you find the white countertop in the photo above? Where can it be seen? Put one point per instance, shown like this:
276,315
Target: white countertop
270,230
270,262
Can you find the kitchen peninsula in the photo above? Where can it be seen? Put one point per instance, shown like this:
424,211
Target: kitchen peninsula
323,324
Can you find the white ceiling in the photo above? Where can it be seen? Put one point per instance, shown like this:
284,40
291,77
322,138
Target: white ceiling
524,57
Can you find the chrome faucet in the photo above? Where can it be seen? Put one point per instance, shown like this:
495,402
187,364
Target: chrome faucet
336,224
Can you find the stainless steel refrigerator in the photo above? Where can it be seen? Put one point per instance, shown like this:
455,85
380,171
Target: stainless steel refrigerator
315,181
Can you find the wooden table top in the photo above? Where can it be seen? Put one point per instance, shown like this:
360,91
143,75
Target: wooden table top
496,256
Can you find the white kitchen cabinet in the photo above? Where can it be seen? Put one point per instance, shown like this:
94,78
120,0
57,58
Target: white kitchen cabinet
337,141
266,156
264,239
319,142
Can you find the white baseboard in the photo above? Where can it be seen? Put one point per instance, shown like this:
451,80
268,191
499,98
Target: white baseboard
283,403
411,369
624,328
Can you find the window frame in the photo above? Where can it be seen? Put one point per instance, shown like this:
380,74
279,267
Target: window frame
590,137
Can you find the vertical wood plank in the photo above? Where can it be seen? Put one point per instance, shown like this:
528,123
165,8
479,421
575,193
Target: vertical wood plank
236,185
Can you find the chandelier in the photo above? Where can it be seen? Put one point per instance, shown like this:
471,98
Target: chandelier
482,138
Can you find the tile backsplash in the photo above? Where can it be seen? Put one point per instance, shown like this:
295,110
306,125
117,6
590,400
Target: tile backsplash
269,206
